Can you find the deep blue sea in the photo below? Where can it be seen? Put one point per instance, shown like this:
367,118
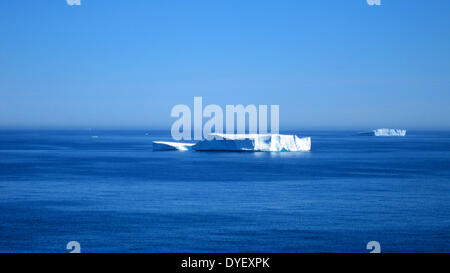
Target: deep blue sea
112,193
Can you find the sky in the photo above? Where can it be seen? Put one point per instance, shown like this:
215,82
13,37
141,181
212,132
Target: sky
328,64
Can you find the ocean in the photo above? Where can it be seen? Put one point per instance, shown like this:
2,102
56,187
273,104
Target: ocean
108,190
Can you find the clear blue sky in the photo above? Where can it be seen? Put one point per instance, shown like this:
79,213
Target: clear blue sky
127,63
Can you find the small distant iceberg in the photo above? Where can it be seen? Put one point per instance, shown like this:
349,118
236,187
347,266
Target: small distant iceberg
241,142
384,132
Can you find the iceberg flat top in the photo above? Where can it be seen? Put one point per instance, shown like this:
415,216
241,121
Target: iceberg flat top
389,132
241,136
384,132
168,146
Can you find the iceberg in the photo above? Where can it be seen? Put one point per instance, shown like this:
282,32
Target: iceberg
242,142
384,132
171,146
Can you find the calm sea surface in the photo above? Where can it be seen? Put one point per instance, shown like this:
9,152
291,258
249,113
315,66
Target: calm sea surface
109,191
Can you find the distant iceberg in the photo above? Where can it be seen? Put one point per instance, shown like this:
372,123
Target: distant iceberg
242,142
384,132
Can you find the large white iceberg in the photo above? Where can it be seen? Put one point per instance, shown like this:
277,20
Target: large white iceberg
385,132
242,142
